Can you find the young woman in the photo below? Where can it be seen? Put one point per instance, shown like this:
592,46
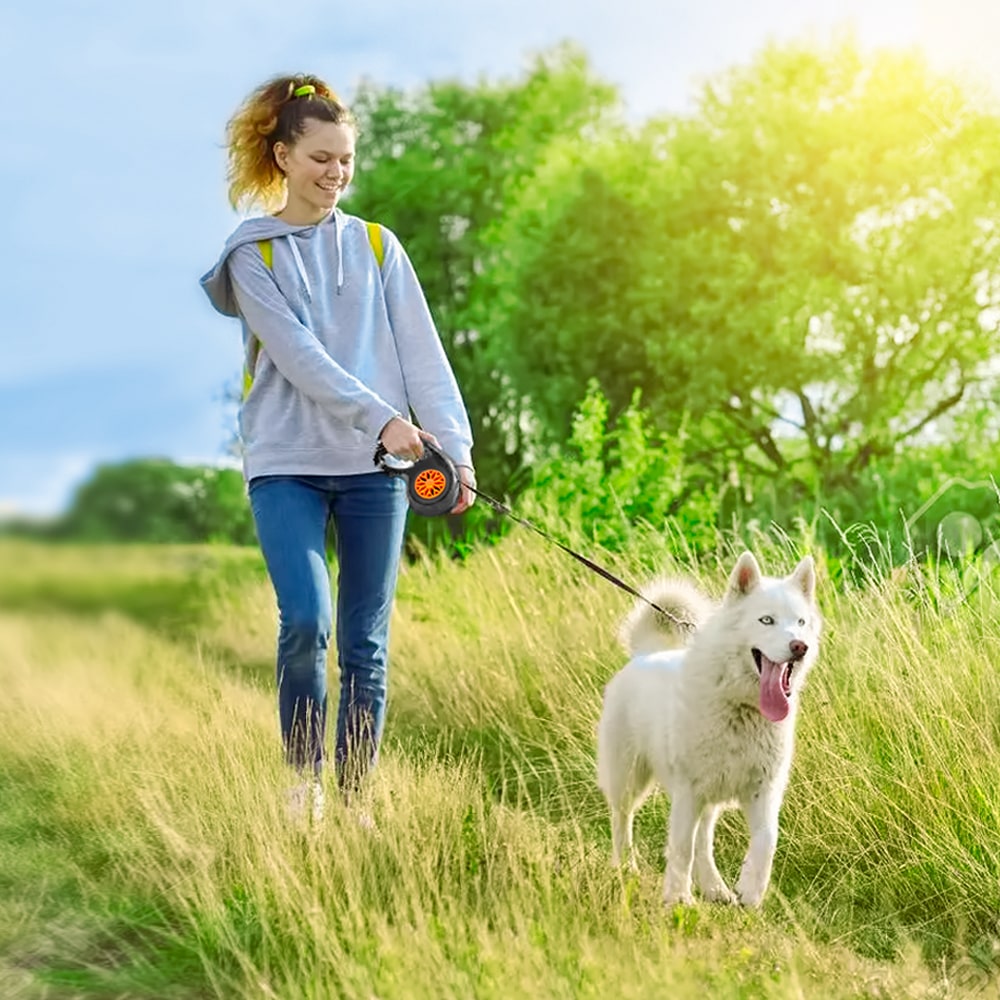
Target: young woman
339,348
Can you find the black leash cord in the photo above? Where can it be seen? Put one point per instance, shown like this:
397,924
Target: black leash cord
502,508
433,485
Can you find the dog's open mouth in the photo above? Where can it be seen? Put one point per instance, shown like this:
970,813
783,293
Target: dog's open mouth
775,685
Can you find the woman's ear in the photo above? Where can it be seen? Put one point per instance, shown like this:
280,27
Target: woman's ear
280,152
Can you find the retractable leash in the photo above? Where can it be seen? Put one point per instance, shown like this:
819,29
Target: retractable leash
432,482
433,486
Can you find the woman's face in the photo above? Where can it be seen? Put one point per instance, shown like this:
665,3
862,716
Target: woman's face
318,166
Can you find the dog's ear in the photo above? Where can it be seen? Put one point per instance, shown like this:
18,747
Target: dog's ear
745,576
804,577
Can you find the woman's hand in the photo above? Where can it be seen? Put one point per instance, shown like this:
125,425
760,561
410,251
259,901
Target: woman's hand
405,440
466,498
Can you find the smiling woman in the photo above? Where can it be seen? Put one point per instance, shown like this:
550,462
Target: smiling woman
317,169
340,347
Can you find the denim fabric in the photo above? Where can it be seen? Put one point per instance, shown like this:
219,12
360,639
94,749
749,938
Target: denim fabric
368,516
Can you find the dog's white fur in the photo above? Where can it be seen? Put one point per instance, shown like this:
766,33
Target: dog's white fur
692,719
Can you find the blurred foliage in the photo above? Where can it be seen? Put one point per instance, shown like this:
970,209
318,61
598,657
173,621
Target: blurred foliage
155,500
616,476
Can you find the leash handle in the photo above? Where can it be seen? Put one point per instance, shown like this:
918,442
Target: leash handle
432,482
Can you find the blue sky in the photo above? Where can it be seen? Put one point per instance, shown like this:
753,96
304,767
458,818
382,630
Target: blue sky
112,160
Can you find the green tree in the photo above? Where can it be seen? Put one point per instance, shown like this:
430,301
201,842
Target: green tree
156,500
802,273
439,166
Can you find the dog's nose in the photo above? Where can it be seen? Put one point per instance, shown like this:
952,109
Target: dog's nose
798,648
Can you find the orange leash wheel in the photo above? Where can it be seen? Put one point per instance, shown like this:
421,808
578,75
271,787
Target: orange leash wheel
432,482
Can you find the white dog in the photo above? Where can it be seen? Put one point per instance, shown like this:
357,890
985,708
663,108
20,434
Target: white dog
712,722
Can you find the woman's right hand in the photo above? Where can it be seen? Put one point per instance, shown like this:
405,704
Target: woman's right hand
405,440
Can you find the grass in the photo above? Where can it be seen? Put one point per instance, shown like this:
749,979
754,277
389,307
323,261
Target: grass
143,851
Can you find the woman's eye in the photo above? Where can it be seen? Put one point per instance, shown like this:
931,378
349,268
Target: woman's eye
766,620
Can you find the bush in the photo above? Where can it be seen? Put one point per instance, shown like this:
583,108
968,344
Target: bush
608,480
156,500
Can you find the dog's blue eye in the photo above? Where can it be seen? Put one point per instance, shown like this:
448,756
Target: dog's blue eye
766,620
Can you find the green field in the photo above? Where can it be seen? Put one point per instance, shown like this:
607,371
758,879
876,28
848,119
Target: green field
143,851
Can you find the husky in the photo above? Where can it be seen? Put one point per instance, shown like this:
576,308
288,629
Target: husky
713,721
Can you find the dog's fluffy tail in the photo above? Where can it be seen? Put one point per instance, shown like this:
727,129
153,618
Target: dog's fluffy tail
645,630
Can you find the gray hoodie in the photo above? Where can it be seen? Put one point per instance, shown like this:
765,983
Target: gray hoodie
337,347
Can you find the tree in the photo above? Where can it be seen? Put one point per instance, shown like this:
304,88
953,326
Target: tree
803,272
155,500
438,166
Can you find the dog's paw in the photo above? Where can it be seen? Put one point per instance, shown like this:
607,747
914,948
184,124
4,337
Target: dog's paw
719,893
678,899
751,898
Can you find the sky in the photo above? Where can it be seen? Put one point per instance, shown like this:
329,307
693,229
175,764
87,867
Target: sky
113,164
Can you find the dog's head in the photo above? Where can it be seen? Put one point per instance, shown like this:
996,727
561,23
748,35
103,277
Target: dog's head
779,623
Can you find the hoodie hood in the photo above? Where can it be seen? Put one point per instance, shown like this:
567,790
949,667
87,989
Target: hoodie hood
216,282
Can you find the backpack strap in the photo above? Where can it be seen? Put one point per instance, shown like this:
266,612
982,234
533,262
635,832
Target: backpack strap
267,252
266,248
375,239
253,347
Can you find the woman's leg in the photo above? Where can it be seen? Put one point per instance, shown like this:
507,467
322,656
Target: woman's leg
291,514
369,515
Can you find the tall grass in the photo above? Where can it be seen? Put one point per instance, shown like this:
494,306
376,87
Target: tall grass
144,850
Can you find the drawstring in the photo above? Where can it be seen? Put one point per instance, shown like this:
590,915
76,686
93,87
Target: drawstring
340,250
300,267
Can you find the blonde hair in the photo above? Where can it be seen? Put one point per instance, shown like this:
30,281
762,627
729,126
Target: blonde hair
277,111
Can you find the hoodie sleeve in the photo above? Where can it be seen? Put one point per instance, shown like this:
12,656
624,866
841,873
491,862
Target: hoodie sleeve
296,353
431,387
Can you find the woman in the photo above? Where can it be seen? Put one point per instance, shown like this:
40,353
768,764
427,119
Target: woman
339,348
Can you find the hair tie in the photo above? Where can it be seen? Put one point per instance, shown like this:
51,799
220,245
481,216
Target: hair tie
306,88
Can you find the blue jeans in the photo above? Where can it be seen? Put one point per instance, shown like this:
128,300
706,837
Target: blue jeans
368,513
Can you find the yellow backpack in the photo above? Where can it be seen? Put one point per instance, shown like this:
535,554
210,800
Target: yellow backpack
267,252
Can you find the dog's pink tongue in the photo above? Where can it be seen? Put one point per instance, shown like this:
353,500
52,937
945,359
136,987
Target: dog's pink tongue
773,701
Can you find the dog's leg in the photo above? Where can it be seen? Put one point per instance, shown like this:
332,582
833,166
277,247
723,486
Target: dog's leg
710,882
621,837
762,818
626,786
680,846
623,816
